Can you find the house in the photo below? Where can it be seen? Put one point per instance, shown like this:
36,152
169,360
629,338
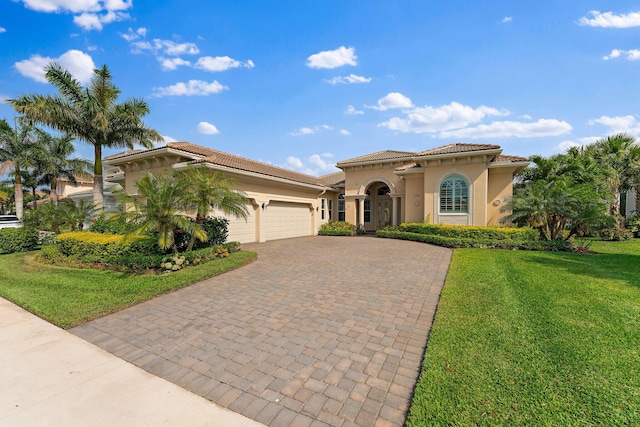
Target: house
453,184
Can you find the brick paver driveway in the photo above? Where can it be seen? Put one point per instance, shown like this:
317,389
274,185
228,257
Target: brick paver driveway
318,331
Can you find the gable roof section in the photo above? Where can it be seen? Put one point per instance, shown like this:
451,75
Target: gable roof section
458,148
385,155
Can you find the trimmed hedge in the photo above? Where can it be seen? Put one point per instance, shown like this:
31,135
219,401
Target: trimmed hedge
615,234
336,228
465,242
98,247
525,234
17,240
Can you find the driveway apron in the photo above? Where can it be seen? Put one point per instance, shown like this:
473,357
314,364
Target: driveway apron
319,331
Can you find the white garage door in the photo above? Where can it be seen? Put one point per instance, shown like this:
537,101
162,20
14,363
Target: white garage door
285,220
243,231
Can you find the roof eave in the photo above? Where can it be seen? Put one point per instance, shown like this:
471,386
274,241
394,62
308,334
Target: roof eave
151,153
185,165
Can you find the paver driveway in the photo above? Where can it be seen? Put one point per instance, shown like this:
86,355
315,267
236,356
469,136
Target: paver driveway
318,331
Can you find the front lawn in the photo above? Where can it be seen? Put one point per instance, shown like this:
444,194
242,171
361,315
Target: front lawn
535,338
69,296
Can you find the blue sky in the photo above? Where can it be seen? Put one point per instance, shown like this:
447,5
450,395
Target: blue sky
304,84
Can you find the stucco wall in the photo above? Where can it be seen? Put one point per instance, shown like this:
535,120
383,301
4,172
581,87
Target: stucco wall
500,187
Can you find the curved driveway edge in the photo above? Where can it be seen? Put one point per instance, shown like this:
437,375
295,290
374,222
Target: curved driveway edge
319,331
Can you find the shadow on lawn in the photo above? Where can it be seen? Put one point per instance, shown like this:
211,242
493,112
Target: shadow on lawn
599,266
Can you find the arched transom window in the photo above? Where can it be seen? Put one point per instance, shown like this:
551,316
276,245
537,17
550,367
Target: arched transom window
454,195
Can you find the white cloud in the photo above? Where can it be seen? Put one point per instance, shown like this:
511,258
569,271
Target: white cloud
166,47
93,21
207,128
344,132
310,130
618,124
3,30
350,79
89,14
631,55
315,164
392,100
430,119
191,88
333,58
172,63
507,19
526,117
611,20
134,35
352,111
78,63
511,129
221,63
168,138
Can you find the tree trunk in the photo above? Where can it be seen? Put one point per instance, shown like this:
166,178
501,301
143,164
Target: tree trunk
98,184
637,190
19,195
53,194
35,198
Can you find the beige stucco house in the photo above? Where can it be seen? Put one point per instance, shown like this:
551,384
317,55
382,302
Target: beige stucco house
453,184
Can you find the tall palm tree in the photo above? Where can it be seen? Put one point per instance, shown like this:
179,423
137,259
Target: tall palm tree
55,163
89,114
158,207
16,154
211,190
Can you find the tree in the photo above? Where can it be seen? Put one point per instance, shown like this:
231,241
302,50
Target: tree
54,162
211,190
77,214
89,114
17,147
157,207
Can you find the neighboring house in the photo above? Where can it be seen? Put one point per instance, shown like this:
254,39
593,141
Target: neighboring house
455,184
64,188
110,201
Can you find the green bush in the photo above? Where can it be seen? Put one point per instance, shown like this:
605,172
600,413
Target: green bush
95,247
17,240
472,232
633,224
111,225
465,242
615,234
336,228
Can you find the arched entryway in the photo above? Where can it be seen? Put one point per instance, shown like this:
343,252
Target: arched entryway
377,206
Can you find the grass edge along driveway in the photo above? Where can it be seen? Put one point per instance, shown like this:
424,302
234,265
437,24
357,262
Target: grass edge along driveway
535,338
68,297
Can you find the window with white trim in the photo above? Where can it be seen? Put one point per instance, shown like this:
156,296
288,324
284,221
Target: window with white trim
330,209
367,207
322,207
341,215
454,195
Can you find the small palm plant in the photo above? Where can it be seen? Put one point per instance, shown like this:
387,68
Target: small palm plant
158,207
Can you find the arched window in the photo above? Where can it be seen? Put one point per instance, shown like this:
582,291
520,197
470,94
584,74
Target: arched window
454,195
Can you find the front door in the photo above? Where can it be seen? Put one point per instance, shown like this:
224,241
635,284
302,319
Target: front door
384,213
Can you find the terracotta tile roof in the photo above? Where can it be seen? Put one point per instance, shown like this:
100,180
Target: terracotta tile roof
232,161
458,148
509,159
408,166
379,155
333,178
129,153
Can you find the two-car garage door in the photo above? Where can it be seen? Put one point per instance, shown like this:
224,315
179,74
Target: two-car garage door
285,220
281,220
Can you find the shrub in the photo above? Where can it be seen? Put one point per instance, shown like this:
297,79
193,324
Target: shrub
336,228
95,247
17,240
633,224
465,242
615,234
472,232
111,225
47,238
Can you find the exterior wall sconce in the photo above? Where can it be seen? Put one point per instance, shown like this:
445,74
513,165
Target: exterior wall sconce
317,208
263,206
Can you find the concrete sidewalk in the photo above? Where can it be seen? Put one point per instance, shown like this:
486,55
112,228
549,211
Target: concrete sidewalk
51,377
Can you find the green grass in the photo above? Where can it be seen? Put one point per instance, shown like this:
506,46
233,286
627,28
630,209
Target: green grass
69,296
535,338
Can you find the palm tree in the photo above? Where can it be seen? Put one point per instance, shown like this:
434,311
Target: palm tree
55,163
89,114
208,191
621,153
77,214
17,147
157,207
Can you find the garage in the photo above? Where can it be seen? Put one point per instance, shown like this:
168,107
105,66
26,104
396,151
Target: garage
285,220
240,230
